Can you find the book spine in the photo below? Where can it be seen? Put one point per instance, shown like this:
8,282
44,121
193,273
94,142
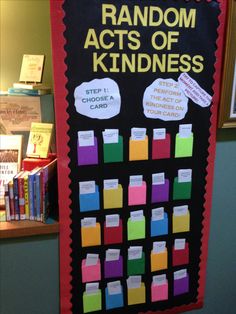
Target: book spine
31,196
37,196
16,199
45,193
26,191
41,195
11,196
21,198
7,202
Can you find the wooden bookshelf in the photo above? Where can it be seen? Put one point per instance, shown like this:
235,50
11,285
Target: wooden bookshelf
18,229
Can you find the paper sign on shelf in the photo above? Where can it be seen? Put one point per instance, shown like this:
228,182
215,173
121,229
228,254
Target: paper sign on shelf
98,99
87,187
86,138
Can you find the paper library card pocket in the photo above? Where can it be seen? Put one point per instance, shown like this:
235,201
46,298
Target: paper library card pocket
89,201
137,295
92,302
113,198
91,236
161,148
113,235
138,149
88,155
91,273
137,194
113,152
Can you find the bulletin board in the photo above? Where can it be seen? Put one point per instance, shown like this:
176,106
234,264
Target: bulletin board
136,96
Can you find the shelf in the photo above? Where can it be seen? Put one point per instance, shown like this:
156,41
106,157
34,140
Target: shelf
18,229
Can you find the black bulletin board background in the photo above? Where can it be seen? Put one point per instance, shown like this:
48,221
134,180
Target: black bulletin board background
80,15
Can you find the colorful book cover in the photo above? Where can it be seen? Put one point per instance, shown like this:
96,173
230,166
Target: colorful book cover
26,195
16,195
11,197
39,140
49,185
7,202
21,195
31,188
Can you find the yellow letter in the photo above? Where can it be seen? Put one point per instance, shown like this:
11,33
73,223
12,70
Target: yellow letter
124,16
101,39
97,61
185,61
164,38
114,57
141,16
108,11
144,57
199,65
121,34
160,63
152,10
171,63
187,20
127,63
91,39
171,39
176,18
134,42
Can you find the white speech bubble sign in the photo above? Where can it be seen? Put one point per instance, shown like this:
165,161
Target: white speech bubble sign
164,100
98,99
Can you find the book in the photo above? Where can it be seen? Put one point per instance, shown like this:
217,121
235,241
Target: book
16,195
39,140
39,195
10,159
30,163
31,191
28,86
49,189
26,194
28,92
32,68
21,194
11,197
7,202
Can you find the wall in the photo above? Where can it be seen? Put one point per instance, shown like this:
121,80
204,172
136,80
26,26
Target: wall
24,29
29,267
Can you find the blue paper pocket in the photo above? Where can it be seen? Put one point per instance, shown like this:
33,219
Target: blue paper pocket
89,202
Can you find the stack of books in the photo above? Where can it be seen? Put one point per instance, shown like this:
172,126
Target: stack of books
30,194
28,89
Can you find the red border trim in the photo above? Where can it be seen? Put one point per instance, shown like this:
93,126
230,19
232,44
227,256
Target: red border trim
58,42
59,67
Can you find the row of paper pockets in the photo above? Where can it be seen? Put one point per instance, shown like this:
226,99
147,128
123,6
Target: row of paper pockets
137,195
138,150
136,291
114,268
136,229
